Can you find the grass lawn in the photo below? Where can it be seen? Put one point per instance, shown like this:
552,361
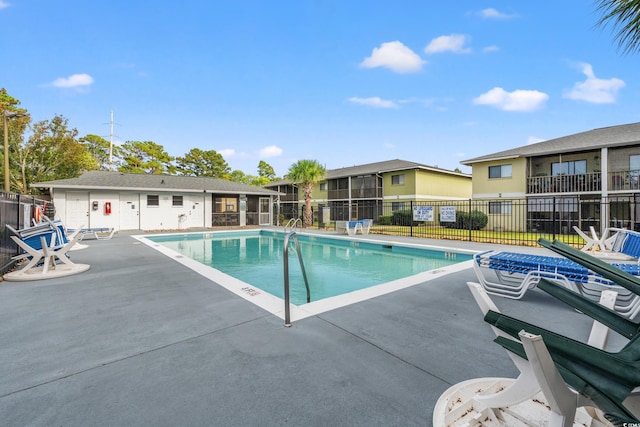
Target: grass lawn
481,236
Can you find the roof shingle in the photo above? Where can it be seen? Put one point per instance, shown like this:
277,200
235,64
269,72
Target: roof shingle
594,139
138,181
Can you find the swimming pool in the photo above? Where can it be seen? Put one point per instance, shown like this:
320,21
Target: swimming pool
338,269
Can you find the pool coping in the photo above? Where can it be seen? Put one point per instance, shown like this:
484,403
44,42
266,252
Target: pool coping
275,305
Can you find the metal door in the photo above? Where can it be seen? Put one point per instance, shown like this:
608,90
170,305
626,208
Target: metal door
76,213
264,208
129,211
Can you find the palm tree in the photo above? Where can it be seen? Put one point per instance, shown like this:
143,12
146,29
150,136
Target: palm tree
625,15
306,173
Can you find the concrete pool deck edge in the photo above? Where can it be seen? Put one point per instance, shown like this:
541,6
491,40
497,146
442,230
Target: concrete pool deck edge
275,305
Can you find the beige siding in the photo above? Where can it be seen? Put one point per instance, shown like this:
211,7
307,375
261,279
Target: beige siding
399,190
513,186
431,184
619,158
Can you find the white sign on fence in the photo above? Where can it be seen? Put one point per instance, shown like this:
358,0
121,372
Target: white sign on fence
447,214
423,213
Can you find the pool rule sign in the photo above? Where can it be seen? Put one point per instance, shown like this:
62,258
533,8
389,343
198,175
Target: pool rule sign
423,213
447,214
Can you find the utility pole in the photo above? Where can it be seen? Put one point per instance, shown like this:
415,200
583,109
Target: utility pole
6,152
111,143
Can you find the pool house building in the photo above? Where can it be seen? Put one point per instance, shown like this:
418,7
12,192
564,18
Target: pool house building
586,179
128,201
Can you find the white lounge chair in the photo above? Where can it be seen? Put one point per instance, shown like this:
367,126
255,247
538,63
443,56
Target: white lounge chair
41,246
571,374
99,233
352,227
516,273
63,236
615,244
366,225
609,379
538,396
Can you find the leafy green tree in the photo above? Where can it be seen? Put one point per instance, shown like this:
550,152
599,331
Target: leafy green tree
265,175
306,173
99,149
258,181
208,163
625,16
145,157
238,176
17,121
53,152
243,178
265,170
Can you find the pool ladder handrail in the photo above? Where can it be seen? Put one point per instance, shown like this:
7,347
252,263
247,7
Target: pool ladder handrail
293,223
285,250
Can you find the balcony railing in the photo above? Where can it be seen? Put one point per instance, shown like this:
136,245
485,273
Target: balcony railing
289,198
338,194
624,180
565,183
366,193
360,193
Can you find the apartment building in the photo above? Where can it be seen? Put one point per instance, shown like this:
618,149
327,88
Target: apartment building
587,179
369,190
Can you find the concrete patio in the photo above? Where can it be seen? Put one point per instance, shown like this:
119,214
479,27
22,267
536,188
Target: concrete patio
141,340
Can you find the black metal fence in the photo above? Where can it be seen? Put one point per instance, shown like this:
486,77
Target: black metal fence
16,210
505,221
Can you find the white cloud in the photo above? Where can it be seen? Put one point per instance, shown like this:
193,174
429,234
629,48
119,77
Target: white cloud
75,80
425,102
593,89
534,140
389,145
373,101
451,43
4,4
492,48
491,13
518,100
227,152
395,56
271,151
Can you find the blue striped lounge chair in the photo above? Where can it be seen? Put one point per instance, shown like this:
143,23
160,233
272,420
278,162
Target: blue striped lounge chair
516,273
364,225
42,246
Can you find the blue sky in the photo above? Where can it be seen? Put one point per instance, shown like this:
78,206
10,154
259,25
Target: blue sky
341,82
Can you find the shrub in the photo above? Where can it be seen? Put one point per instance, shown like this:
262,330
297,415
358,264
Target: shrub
475,220
404,217
384,220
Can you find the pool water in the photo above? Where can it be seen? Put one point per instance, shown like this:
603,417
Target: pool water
333,266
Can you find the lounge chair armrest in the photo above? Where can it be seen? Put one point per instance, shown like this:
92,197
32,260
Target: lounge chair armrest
607,393
622,366
610,318
608,271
